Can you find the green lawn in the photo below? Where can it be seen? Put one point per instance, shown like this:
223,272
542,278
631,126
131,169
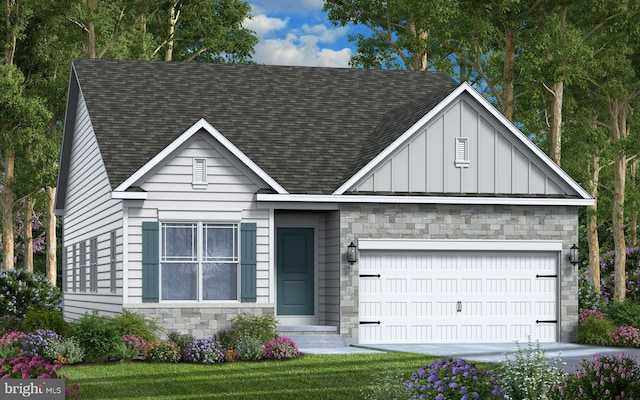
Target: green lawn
310,377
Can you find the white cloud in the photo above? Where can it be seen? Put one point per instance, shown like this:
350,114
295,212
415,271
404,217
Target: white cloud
303,50
325,34
263,25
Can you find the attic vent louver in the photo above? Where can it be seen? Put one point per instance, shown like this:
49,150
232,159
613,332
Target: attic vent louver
462,152
199,173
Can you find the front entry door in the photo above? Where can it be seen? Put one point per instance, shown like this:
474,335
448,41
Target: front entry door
295,260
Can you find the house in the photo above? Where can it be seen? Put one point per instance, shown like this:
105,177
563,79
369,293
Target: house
195,192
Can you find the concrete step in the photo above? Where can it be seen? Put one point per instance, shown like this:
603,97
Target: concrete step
312,336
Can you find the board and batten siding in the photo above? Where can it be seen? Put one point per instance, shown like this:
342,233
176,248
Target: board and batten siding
498,162
231,188
329,283
90,213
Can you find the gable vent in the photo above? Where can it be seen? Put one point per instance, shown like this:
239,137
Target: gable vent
462,152
199,173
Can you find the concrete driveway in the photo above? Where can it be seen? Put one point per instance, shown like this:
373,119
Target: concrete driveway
571,354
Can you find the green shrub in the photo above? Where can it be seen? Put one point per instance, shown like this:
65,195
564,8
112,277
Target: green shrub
21,291
388,386
624,313
261,327
70,351
595,331
97,334
9,323
182,340
249,348
130,323
52,320
162,351
588,297
227,338
529,374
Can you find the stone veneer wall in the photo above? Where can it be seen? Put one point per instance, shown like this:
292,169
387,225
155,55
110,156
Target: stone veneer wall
451,222
199,321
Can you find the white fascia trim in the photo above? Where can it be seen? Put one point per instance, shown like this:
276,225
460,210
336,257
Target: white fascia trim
459,245
464,87
129,195
303,198
201,124
195,215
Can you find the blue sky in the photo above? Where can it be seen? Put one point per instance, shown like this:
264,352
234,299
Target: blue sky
297,32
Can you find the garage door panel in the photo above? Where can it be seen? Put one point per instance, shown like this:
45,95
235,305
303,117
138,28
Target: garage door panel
442,297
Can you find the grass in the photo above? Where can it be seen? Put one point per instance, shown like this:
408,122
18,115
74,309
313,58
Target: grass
310,377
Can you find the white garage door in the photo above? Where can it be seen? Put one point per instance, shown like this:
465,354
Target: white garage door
432,296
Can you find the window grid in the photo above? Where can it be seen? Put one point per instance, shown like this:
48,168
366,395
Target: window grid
83,267
93,265
112,261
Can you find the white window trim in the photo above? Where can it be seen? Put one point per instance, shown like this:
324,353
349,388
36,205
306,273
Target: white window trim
199,178
462,152
199,261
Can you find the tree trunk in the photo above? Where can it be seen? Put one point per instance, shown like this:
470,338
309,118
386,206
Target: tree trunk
28,234
509,73
592,225
555,137
52,266
91,30
172,30
7,210
618,133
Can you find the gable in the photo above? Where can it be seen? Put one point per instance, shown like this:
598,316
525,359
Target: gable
498,159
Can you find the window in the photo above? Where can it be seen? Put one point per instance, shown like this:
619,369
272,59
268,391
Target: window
199,261
65,269
199,173
73,267
462,152
83,267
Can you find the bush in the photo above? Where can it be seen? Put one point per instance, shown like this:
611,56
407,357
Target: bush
9,323
11,344
605,377
448,378
632,270
280,348
97,335
52,320
22,291
249,348
588,297
130,323
588,314
131,348
162,351
42,343
626,336
529,374
207,351
624,313
69,352
595,331
181,340
388,386
23,367
261,327
227,338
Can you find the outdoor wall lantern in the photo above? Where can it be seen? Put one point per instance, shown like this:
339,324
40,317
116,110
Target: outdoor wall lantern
573,254
351,253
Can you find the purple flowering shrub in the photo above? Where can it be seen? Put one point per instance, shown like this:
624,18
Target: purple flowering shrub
131,348
588,314
207,351
42,343
588,297
626,336
604,377
162,351
632,278
453,379
21,291
280,348
24,367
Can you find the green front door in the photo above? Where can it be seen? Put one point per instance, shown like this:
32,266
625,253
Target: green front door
295,259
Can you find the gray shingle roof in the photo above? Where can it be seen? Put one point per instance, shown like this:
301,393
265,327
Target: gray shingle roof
309,128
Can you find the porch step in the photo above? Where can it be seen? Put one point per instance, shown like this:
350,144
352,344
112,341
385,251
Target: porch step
312,336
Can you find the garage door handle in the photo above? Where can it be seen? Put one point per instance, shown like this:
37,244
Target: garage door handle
548,321
369,322
370,276
459,307
546,276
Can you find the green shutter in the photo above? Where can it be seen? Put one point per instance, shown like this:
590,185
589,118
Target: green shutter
248,262
150,262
